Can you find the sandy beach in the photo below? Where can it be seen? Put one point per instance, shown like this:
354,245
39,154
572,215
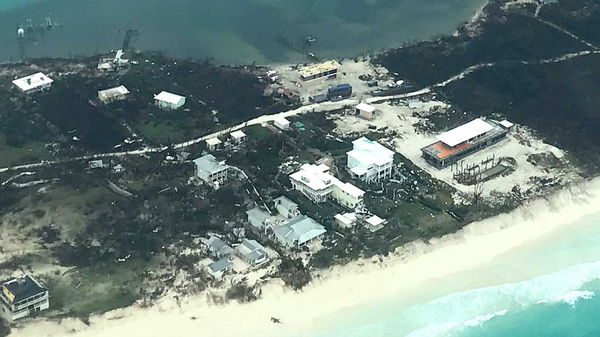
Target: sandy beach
343,287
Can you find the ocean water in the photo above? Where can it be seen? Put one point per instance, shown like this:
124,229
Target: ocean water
550,289
230,31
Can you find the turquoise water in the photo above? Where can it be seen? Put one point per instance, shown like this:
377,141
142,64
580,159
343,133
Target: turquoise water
557,294
231,31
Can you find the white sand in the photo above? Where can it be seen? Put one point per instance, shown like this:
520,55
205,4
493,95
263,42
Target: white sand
342,287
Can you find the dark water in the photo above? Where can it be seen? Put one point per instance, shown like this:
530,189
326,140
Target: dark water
230,31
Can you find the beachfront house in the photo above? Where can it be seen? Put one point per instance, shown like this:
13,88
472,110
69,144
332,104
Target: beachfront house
370,161
22,296
218,268
287,208
299,231
212,172
454,145
316,183
113,94
366,111
169,101
374,223
33,83
251,252
218,248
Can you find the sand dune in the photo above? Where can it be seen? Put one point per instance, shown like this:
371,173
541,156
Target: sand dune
342,287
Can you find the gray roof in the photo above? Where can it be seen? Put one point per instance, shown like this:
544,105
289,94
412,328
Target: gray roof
209,164
285,203
298,230
218,246
251,250
221,265
257,217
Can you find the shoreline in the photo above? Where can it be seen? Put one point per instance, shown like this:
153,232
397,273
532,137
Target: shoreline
475,246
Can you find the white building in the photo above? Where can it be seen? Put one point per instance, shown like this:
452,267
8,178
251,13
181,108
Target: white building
113,94
366,111
211,171
238,136
218,248
281,123
370,161
33,83
318,184
374,223
259,218
213,143
167,100
345,220
22,296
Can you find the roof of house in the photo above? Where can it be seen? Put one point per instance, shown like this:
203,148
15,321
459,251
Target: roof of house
220,265
213,141
346,218
365,107
218,246
316,177
350,189
506,124
169,97
463,133
375,221
257,216
238,134
251,250
298,230
369,152
120,90
284,202
209,164
32,81
313,69
20,288
281,121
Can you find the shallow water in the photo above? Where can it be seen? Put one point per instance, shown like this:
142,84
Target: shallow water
231,31
550,288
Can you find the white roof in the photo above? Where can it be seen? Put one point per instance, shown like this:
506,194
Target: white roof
465,132
298,230
375,220
32,81
316,177
346,218
213,141
350,189
169,97
281,121
113,91
369,152
238,134
506,124
365,107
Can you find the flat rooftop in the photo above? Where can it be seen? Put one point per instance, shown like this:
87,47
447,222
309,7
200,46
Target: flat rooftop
463,133
168,97
313,69
32,81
